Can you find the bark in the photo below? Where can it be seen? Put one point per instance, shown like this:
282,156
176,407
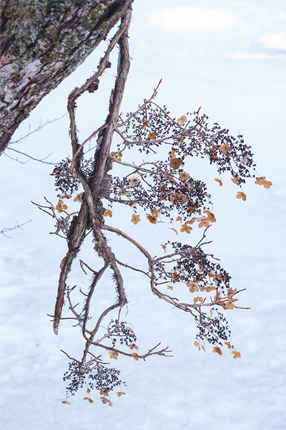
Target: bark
42,42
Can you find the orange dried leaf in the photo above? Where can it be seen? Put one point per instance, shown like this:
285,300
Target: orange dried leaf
204,222
217,350
219,181
113,354
164,247
117,155
133,346
192,286
135,356
67,196
186,228
65,402
152,136
225,148
184,176
104,401
107,212
210,216
87,398
135,219
235,180
260,180
61,206
176,163
174,230
151,219
267,184
241,195
120,393
172,153
236,354
169,287
182,119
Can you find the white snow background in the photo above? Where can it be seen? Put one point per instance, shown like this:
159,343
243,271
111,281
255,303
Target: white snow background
228,57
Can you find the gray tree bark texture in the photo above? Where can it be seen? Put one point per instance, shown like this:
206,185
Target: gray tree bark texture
43,42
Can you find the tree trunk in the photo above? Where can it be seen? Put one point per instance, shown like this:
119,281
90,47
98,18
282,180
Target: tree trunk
41,44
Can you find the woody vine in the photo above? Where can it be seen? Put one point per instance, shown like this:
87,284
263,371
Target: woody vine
161,189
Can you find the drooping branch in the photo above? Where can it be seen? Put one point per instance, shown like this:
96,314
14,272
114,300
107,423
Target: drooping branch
162,189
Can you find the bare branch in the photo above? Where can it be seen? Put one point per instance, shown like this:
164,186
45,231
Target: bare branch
5,230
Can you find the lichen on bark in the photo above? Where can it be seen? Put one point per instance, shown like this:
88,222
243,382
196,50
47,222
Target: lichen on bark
41,44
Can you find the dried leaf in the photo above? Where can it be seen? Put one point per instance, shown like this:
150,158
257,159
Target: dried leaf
116,155
135,219
87,398
244,160
133,181
219,181
105,401
184,176
236,354
78,198
210,216
151,219
204,222
176,163
182,119
186,228
225,148
172,153
113,354
152,136
193,286
241,195
107,212
135,356
236,180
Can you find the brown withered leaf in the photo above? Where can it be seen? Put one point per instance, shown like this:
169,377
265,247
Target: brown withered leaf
176,163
